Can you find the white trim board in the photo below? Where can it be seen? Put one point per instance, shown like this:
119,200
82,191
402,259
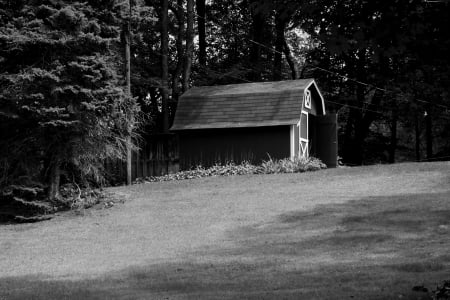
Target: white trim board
303,151
320,94
292,141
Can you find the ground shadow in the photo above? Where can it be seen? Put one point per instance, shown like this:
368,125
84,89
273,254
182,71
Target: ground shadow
373,248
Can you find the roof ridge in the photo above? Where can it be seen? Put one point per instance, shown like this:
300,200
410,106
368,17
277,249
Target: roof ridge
246,88
239,105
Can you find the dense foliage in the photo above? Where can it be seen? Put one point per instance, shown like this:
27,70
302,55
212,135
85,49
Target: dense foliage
63,109
382,66
393,69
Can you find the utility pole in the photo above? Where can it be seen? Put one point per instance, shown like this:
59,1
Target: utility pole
127,40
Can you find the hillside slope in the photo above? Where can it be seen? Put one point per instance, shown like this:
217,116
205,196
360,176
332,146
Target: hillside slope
367,232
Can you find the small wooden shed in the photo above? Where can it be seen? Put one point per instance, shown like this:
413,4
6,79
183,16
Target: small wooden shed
254,121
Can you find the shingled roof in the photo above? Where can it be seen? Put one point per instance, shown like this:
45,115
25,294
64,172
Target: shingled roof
241,105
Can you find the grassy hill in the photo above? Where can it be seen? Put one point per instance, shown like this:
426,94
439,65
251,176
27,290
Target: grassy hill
363,233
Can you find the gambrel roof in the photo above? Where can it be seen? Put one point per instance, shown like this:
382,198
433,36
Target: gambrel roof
243,105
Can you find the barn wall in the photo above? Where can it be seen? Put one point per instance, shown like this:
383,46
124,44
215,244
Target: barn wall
210,146
316,105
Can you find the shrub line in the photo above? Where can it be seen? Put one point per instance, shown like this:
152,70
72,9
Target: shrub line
270,166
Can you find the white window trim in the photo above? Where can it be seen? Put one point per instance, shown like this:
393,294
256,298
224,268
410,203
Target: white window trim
307,98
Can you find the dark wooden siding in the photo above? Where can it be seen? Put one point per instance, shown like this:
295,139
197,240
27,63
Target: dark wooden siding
207,147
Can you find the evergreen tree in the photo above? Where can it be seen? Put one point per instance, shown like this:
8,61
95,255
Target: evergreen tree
62,105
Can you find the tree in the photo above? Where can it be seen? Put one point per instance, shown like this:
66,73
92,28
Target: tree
180,51
189,44
370,42
201,26
126,32
165,63
62,101
284,12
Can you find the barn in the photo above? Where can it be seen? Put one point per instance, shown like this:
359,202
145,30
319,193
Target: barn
254,121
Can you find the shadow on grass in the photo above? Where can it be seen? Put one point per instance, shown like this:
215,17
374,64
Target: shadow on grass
231,280
374,248
406,226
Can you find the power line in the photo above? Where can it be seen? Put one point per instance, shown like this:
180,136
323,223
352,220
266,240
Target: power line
332,72
380,89
329,101
351,79
356,107
447,108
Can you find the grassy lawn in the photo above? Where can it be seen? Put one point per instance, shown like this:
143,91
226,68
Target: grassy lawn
350,233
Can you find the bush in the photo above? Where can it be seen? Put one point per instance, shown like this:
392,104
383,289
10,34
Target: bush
291,166
267,167
25,204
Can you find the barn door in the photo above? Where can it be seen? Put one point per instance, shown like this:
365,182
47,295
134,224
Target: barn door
303,134
326,139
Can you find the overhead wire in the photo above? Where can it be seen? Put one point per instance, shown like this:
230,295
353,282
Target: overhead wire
447,108
326,100
335,73
380,89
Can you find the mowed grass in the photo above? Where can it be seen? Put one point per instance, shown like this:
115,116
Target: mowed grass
352,233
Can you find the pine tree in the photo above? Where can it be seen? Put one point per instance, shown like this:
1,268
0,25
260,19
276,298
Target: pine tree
62,105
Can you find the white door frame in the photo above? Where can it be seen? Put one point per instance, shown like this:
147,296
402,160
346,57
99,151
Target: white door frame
303,149
292,141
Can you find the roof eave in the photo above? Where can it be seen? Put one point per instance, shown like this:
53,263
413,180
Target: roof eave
234,125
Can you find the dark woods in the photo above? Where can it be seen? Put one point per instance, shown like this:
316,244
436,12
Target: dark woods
67,106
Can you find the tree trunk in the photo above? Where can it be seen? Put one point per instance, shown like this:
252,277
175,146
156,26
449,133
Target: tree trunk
355,154
393,142
417,132
362,122
258,25
357,157
290,59
429,133
165,63
201,25
348,137
189,44
127,42
359,125
279,44
54,180
180,52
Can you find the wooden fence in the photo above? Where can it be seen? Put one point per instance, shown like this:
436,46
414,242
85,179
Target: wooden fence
157,155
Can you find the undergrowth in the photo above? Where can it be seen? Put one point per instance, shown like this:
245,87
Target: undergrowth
270,166
25,204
